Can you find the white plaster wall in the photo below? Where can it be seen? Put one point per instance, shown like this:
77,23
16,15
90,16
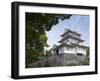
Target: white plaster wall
80,43
66,41
73,41
61,50
72,51
65,50
83,51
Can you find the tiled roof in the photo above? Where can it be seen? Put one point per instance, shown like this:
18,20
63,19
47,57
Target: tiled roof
72,37
68,30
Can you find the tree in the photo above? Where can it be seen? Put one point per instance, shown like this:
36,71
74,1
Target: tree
87,57
88,52
36,26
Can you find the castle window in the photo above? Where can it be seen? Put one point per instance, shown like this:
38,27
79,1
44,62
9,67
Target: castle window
79,54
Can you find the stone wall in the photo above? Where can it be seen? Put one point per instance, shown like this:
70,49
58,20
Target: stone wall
59,60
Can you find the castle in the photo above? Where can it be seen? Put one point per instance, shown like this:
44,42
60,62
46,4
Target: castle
71,43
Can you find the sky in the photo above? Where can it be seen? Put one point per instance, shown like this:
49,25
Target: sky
78,23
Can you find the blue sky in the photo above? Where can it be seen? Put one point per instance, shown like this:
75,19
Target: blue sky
78,23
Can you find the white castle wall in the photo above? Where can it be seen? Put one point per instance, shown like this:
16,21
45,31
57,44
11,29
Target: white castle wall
72,50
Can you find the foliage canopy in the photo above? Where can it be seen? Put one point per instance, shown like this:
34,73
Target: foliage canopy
36,26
